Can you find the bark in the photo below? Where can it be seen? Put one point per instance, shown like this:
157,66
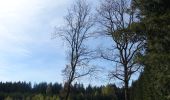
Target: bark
127,91
68,92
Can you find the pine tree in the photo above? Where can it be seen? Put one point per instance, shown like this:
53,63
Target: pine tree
155,15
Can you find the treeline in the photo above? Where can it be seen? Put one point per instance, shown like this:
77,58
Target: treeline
45,91
23,87
21,90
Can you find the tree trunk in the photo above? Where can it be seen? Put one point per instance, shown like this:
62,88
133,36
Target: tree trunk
68,91
69,84
126,82
126,90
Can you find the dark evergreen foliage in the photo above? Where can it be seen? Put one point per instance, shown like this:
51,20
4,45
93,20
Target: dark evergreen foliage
154,83
42,91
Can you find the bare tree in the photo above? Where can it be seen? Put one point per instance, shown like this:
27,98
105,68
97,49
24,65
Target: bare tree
76,34
116,18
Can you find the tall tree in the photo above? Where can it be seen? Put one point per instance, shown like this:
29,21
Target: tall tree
155,15
117,19
76,34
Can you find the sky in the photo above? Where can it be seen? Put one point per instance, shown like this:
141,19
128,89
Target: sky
27,52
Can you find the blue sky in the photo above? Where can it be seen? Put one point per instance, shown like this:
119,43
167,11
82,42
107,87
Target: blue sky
27,52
